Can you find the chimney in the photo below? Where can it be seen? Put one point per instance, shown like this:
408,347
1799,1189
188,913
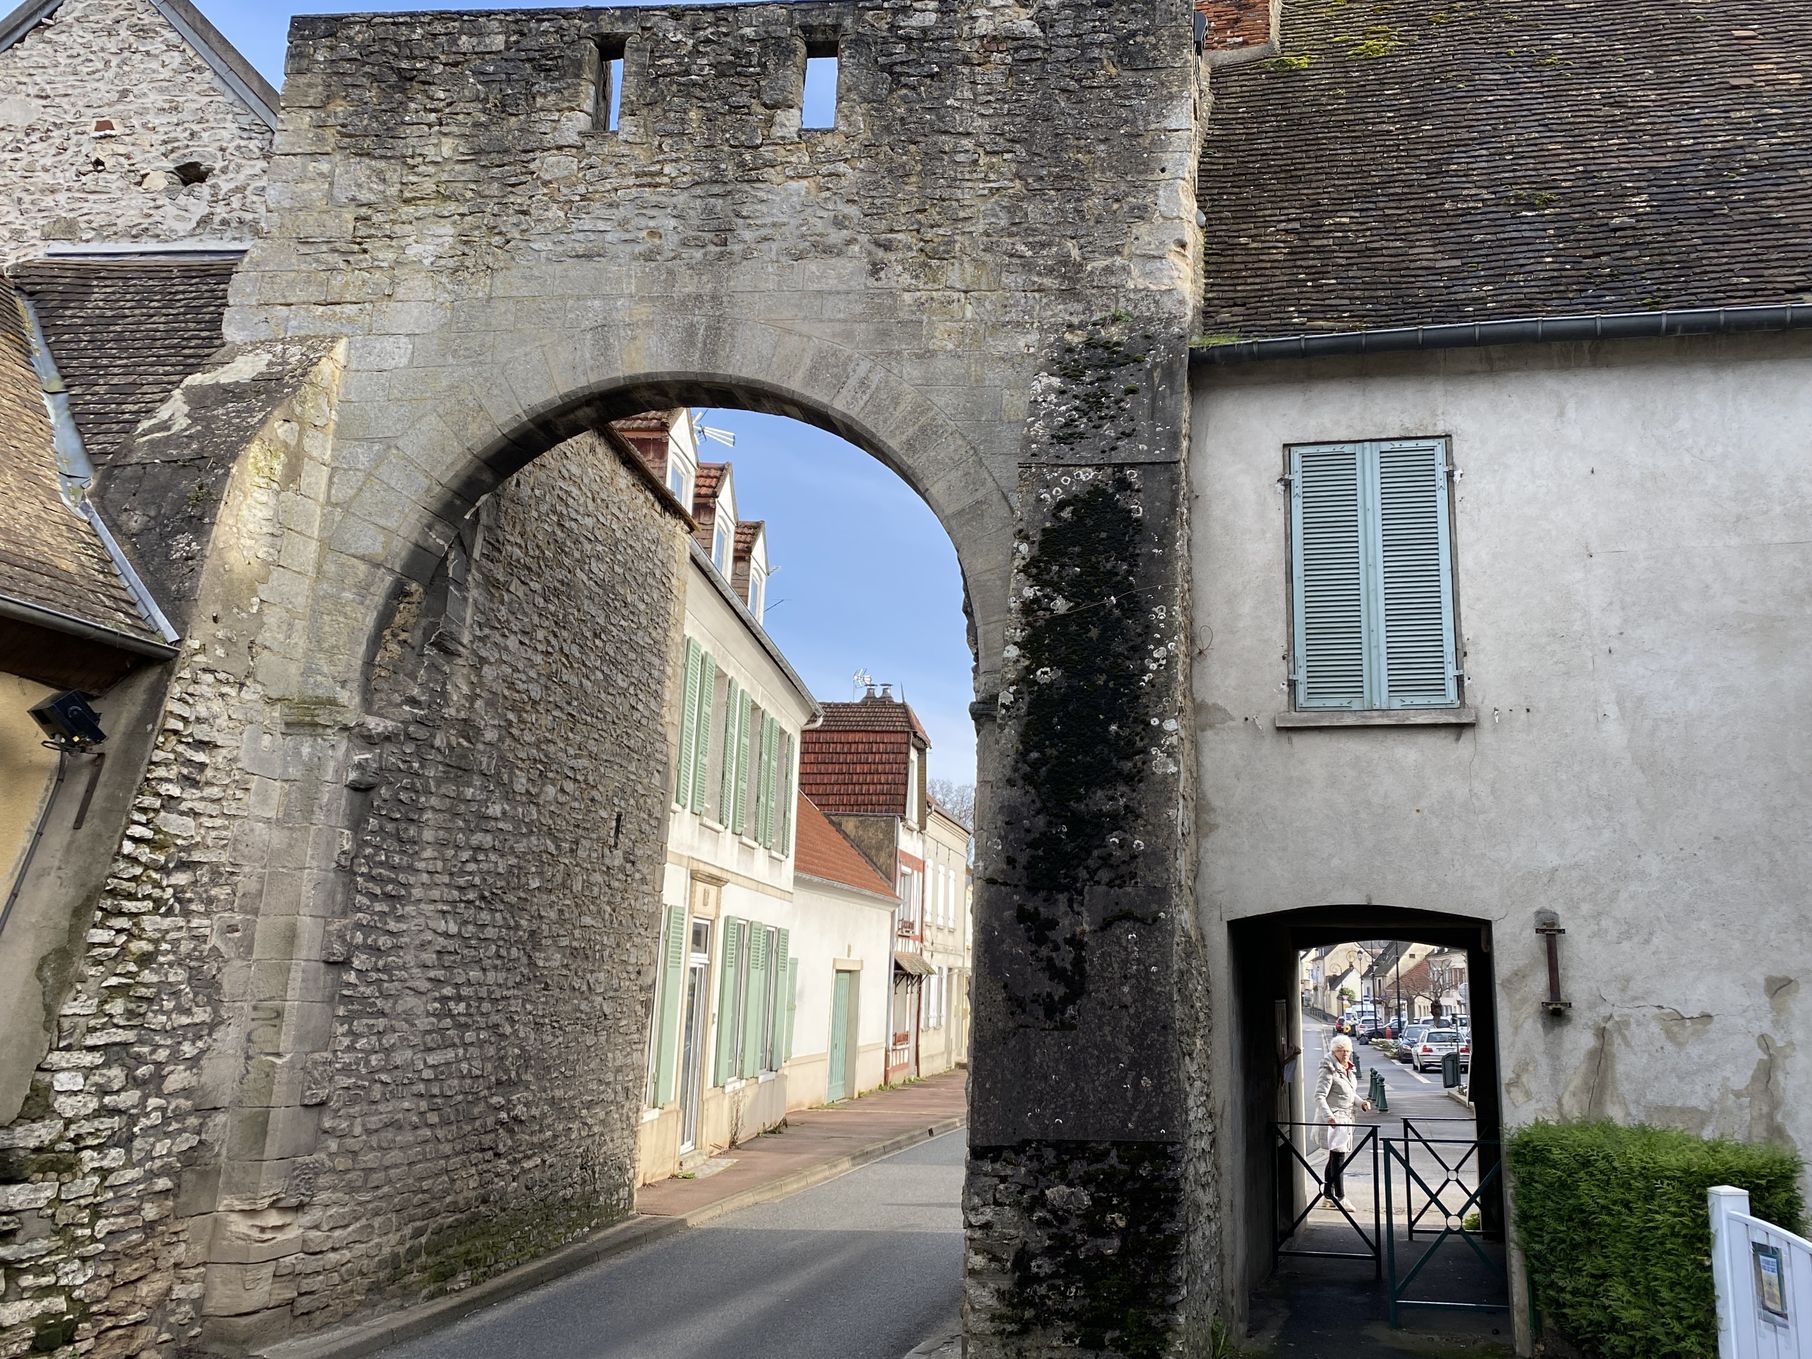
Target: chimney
1240,30
887,693
869,697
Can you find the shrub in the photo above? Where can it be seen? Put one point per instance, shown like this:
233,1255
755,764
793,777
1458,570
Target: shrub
1614,1225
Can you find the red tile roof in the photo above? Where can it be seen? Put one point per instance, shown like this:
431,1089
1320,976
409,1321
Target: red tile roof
855,773
874,714
822,851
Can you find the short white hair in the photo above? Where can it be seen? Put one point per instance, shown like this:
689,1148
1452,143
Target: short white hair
1341,1041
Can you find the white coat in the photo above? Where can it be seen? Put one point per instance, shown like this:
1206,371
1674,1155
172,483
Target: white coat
1336,1100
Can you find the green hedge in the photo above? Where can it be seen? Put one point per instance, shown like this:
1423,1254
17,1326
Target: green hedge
1614,1226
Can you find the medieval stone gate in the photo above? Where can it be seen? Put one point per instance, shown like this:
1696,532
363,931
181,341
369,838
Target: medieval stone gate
985,274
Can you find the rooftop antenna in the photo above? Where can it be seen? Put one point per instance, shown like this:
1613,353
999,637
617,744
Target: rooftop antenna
859,681
725,437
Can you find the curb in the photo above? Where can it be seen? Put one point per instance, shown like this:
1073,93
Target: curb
367,1338
946,1344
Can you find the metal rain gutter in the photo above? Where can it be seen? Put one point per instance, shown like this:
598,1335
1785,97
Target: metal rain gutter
1531,330
141,594
73,463
58,621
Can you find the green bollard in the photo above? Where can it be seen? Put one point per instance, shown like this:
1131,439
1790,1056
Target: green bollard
1380,1096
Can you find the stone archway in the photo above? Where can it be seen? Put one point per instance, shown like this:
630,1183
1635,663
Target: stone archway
986,275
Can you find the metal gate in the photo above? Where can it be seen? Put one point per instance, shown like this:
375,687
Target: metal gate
1284,1195
1442,1220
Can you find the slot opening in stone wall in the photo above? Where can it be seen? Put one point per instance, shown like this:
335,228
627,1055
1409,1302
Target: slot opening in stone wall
607,107
818,107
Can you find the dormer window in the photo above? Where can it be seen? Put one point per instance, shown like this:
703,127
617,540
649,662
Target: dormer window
723,540
758,591
679,482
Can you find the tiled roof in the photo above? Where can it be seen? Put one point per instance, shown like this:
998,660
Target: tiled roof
125,333
747,532
710,478
1416,162
822,851
855,773
874,714
50,557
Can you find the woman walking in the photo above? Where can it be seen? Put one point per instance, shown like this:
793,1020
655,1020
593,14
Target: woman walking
1336,1094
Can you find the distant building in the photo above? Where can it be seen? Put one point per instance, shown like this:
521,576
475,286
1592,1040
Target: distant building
944,998
843,911
866,765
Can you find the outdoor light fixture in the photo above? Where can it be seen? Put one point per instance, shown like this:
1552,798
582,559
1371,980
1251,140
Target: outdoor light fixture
1547,924
70,722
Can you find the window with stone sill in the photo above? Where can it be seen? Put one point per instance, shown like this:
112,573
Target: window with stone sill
1371,591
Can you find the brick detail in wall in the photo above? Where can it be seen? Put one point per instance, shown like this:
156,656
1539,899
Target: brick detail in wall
1240,28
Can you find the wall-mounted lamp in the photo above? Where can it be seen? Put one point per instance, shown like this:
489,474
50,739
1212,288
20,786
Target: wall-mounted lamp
1547,925
70,721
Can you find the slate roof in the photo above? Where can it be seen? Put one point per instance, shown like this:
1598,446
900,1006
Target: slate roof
50,557
126,332
1411,162
820,850
854,762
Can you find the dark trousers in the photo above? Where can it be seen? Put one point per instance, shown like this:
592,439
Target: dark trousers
1334,1178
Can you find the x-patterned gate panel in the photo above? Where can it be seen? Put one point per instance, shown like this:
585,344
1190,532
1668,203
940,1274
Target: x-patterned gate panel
1366,1142
1454,1154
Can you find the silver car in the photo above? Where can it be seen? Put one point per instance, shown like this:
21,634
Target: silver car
1436,1044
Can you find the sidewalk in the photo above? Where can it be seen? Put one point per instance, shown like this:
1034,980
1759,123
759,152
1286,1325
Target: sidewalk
816,1145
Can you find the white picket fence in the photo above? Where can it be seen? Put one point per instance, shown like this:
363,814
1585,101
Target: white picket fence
1764,1282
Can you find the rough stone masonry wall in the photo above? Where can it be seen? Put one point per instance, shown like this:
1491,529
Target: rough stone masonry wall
480,1095
121,60
106,1177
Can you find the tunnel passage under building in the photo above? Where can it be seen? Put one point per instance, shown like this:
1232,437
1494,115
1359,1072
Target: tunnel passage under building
1267,1014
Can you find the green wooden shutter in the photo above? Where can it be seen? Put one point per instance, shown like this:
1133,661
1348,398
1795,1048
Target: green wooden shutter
792,1005
725,1064
732,726
673,972
701,738
1415,637
787,796
761,780
682,793
741,820
1328,576
770,759
755,1000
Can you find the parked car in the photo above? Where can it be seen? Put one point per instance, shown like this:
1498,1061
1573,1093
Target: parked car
1412,1037
1437,1043
1373,1029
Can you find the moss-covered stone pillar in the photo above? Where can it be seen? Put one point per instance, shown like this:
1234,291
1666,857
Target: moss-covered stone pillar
1083,1173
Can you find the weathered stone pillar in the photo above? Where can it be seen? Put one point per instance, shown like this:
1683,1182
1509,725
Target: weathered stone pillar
1079,1198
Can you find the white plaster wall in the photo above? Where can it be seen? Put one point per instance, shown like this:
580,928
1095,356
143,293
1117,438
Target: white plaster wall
120,59
831,923
1634,544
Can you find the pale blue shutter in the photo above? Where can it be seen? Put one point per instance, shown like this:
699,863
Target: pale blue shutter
1327,576
688,726
701,736
764,784
732,726
1415,578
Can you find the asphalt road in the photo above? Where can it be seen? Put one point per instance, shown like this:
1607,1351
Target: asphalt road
864,1267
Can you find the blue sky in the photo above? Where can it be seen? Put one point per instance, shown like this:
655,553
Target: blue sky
868,579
